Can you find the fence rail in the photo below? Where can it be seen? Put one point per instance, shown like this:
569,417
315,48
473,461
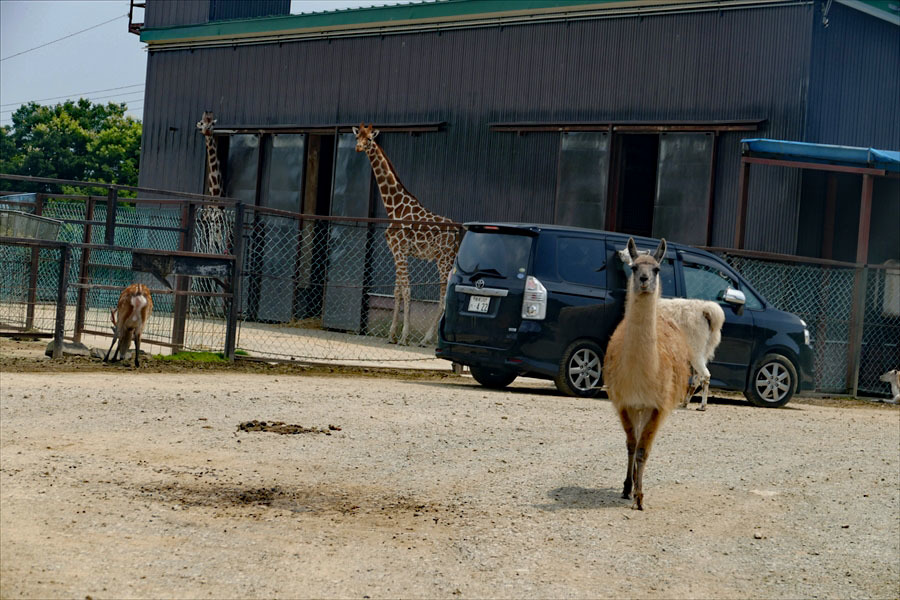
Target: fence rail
322,288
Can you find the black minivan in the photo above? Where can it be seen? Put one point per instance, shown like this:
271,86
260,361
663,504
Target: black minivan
543,300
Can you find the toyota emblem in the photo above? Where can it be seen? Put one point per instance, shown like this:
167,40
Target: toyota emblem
479,284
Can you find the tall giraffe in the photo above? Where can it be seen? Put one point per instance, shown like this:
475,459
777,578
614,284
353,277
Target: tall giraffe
428,242
211,219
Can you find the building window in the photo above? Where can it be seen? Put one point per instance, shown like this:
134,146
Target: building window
583,179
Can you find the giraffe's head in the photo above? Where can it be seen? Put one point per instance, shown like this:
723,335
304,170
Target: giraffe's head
365,137
206,124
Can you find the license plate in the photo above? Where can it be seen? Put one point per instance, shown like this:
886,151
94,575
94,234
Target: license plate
479,304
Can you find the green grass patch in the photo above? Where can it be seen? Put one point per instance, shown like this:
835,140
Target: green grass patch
204,357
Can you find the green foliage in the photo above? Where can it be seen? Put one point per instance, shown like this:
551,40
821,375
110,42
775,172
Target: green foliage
207,357
72,140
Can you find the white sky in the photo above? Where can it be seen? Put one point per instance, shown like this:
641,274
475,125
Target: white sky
100,59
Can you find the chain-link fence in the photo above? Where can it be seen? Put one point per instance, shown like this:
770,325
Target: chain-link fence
823,296
322,289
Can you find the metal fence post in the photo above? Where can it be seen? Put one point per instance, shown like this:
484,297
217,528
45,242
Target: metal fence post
183,282
857,316
112,203
60,328
83,271
33,274
237,274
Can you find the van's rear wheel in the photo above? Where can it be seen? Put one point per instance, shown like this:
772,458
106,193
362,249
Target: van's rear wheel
492,378
580,370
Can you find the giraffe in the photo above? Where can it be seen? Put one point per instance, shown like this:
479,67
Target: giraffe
211,220
430,242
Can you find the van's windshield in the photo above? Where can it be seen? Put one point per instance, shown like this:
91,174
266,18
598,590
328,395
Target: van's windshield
494,254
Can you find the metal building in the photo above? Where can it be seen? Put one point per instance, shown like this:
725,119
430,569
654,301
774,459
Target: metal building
621,115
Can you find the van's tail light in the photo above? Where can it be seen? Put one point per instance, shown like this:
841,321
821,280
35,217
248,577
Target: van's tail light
534,303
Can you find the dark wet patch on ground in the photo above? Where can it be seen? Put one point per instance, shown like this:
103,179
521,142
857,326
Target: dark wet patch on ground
284,428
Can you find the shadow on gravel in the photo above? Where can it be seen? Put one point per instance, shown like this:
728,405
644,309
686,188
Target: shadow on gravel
575,497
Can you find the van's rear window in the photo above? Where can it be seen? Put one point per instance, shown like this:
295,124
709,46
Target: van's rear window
494,254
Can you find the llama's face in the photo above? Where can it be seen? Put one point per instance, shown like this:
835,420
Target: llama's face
645,268
365,137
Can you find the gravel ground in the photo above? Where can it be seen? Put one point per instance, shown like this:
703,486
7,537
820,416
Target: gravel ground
123,483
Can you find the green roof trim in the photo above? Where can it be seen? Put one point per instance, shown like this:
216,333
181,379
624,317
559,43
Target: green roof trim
376,16
422,15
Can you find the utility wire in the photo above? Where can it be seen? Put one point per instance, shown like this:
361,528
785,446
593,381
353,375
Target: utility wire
123,100
76,94
62,38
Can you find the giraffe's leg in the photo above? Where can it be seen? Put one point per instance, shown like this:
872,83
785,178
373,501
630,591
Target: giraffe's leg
445,263
404,335
394,244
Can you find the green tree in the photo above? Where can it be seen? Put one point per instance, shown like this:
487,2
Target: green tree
79,140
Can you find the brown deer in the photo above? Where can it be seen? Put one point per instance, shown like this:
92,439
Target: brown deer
133,310
646,366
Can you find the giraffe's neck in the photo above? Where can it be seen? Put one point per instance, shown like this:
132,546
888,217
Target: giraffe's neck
393,193
214,175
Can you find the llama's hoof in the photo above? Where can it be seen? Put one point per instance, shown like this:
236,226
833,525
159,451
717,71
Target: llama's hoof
638,503
701,408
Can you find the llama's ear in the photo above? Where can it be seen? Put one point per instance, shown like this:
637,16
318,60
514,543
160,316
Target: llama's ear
632,249
660,251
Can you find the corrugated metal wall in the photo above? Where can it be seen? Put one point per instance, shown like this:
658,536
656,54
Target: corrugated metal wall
733,64
166,13
222,10
854,81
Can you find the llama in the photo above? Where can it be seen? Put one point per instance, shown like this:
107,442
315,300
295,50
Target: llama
892,377
646,369
701,323
133,310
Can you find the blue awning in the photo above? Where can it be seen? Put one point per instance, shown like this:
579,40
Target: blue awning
850,156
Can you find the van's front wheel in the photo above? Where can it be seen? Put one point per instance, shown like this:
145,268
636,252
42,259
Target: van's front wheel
492,378
580,370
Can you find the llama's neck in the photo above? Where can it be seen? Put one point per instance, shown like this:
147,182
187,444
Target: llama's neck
639,345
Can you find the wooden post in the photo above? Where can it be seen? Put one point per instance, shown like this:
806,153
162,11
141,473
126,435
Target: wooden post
858,311
60,328
112,204
828,225
740,222
237,274
183,282
83,271
34,271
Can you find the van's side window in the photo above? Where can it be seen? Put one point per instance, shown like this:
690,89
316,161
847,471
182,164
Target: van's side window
705,283
582,260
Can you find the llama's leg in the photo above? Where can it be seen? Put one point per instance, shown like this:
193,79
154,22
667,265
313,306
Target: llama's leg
630,443
641,454
705,392
689,393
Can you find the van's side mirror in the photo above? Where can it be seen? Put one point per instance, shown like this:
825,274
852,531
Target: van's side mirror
734,297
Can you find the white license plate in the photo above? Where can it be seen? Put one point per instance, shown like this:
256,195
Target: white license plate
479,304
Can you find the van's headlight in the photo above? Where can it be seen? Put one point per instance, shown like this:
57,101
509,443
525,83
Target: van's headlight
534,302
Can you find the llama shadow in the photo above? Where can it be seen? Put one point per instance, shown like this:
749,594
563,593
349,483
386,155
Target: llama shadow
577,497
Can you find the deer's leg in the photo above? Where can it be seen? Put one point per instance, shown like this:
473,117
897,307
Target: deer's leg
642,453
630,443
137,349
114,340
124,345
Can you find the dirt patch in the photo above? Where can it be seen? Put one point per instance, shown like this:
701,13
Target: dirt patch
284,428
